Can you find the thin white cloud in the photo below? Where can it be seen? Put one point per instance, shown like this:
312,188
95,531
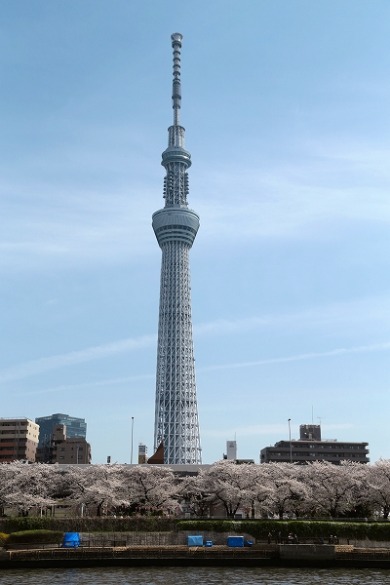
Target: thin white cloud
77,227
107,383
41,221
354,312
46,364
337,315
329,183
375,347
39,366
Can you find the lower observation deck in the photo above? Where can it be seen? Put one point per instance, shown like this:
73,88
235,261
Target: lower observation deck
176,223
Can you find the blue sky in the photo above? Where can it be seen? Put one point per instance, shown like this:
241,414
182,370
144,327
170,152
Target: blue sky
286,106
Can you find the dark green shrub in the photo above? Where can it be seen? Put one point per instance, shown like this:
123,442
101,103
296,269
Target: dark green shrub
3,538
35,537
258,529
87,524
304,529
17,523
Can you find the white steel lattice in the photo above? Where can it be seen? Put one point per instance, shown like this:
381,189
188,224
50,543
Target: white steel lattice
176,416
176,226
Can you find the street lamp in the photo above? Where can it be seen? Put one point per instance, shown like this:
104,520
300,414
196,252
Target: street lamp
289,438
132,440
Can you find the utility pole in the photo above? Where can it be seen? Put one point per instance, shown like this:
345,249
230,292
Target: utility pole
132,440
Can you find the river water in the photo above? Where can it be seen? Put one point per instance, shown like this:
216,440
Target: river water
194,576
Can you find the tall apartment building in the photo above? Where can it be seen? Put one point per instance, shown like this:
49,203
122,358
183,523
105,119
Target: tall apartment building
18,440
311,447
75,427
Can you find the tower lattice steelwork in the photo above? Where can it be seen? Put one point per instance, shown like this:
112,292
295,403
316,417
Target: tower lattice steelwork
176,226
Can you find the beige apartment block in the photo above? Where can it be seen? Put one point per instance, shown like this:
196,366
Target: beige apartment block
18,440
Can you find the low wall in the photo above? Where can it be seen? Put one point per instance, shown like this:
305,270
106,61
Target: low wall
152,538
180,537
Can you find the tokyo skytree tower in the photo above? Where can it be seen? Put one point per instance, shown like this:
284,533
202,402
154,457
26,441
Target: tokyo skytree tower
175,226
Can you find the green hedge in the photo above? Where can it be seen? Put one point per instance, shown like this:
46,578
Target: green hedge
97,524
259,529
17,523
304,529
36,537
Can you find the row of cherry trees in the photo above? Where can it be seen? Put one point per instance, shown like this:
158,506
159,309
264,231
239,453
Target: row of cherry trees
281,490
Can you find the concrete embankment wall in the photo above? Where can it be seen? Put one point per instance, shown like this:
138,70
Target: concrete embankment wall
284,555
320,552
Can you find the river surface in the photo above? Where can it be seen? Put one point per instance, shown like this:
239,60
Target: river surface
194,576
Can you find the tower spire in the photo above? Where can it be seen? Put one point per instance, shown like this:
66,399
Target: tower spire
175,227
176,151
176,83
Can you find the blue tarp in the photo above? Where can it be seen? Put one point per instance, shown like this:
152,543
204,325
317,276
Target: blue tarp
71,540
235,541
196,540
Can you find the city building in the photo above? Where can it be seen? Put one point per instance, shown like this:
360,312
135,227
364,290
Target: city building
142,453
70,450
18,440
176,429
75,427
231,451
311,447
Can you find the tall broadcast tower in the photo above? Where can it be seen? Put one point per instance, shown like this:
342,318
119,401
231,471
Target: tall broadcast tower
176,413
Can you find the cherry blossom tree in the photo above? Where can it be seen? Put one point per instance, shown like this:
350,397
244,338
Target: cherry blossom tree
271,489
103,488
8,483
150,489
285,492
70,487
334,489
32,487
231,485
378,482
261,490
194,492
